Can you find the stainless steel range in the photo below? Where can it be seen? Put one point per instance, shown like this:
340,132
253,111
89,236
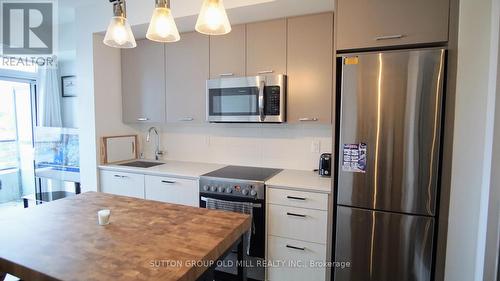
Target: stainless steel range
240,189
237,181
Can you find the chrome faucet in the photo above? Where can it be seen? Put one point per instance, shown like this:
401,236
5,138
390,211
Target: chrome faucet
158,152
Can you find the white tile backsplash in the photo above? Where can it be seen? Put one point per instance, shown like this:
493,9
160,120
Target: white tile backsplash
265,145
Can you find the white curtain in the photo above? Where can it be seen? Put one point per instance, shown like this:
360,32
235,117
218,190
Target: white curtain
49,98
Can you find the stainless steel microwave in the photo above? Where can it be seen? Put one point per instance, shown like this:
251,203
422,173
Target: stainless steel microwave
256,99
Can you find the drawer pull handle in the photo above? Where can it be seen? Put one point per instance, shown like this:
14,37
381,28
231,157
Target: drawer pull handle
142,119
168,182
389,37
266,72
295,215
314,119
226,74
296,198
186,119
296,248
121,177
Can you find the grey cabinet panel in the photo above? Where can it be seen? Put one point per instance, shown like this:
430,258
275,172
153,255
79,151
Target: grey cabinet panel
310,68
383,246
266,47
143,86
186,74
368,23
227,53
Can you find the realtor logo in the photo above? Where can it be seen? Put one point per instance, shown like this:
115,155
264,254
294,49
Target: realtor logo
27,28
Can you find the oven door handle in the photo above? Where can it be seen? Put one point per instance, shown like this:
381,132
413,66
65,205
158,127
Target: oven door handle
261,100
254,205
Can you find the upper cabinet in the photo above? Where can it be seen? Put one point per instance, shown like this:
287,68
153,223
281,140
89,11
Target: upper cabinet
187,64
227,53
310,68
368,24
143,83
266,47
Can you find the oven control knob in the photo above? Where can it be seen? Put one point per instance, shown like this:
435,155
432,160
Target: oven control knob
206,187
229,190
220,189
244,192
213,188
253,192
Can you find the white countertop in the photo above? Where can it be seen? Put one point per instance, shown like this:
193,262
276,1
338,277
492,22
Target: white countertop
179,169
301,180
288,179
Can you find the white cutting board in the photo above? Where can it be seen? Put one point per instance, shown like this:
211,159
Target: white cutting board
118,148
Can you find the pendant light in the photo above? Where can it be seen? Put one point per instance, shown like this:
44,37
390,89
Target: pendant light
212,19
162,27
119,34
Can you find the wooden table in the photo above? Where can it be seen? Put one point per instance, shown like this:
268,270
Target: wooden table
145,240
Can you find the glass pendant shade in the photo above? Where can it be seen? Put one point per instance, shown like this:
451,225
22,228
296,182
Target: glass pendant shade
212,19
162,27
119,34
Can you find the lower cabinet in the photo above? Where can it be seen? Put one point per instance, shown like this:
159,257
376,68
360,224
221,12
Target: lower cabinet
125,184
298,228
303,260
164,189
172,190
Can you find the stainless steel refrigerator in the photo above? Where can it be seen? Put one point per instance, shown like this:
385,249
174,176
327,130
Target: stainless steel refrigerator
388,163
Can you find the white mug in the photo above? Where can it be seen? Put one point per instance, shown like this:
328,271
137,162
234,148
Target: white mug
103,216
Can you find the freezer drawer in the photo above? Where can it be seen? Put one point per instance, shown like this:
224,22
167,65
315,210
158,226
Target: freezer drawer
392,103
383,246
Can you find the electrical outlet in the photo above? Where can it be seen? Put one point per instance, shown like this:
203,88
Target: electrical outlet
315,146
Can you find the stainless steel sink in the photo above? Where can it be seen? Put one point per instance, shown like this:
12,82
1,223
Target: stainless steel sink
141,164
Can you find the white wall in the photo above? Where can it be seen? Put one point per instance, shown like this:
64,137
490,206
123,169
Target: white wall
473,136
67,63
279,146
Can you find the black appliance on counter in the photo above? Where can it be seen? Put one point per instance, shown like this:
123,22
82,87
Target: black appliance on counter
230,186
325,165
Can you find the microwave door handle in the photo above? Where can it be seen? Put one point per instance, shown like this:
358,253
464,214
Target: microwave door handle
261,101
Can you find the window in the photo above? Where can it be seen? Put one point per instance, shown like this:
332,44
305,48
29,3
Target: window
8,128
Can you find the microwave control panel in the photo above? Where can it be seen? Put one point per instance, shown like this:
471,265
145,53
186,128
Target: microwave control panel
272,103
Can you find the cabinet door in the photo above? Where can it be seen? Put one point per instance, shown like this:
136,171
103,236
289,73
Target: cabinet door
227,53
125,184
310,68
187,72
266,47
368,23
143,83
173,190
299,252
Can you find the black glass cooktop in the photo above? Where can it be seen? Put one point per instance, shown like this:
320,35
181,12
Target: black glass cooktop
244,173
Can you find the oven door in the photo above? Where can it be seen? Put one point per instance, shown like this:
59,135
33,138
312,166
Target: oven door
255,270
254,99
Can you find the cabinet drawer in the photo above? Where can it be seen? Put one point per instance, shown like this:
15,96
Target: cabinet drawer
125,184
298,223
368,24
294,253
172,190
297,198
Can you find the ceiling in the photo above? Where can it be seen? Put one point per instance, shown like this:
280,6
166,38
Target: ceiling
245,11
